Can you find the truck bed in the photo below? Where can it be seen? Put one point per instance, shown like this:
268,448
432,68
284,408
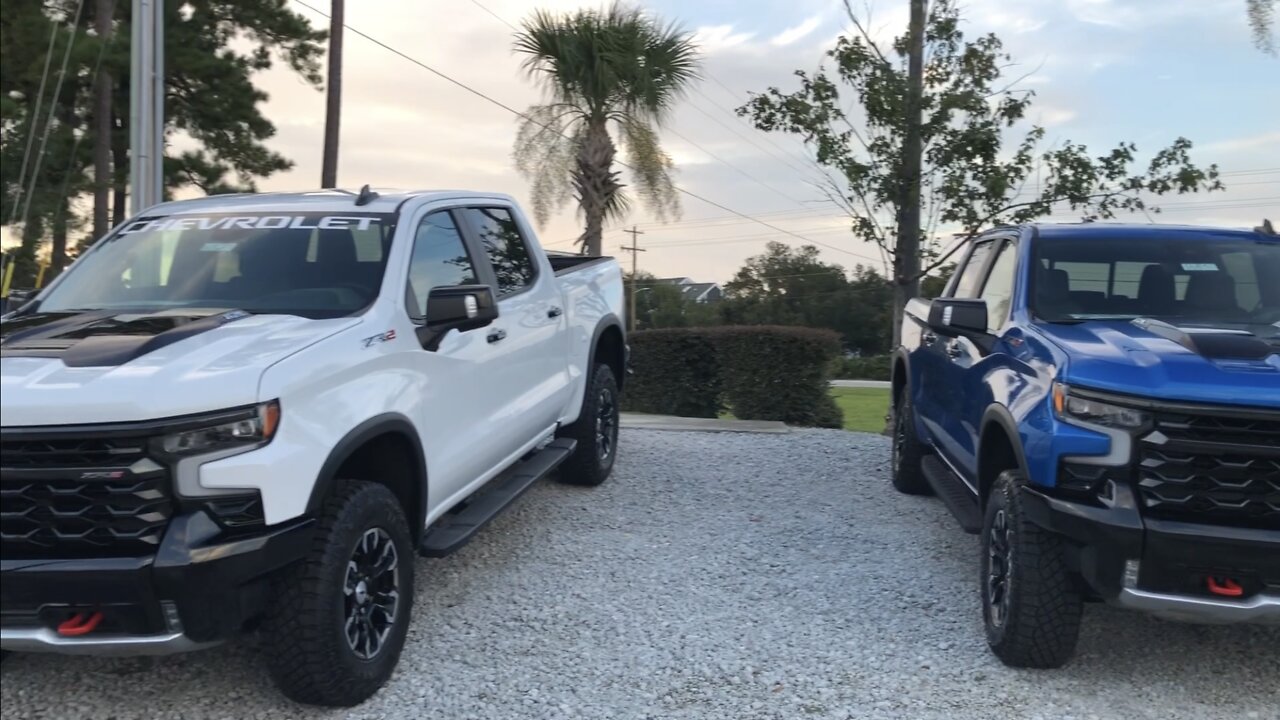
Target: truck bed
565,263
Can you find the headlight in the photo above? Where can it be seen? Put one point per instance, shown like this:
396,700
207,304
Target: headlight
254,426
1077,409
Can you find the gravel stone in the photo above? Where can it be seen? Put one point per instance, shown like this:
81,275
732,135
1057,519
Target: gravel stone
716,575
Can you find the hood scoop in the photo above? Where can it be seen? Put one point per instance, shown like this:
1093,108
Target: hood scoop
97,339
1212,343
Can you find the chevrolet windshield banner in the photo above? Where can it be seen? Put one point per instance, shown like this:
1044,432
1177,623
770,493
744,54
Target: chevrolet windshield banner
252,222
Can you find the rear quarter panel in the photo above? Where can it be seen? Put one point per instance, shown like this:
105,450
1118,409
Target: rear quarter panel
592,300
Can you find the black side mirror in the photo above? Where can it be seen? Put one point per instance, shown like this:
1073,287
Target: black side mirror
457,307
953,317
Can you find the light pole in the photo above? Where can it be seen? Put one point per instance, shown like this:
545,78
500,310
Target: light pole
146,105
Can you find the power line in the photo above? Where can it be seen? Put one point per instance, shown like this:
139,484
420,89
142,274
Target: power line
53,106
35,121
517,113
744,173
495,15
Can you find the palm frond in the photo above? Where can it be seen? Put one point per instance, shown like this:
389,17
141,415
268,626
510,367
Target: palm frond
651,169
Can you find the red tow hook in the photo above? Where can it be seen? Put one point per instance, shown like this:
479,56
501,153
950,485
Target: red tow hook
1225,587
80,624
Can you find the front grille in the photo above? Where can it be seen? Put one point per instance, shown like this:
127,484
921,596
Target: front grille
1215,465
64,497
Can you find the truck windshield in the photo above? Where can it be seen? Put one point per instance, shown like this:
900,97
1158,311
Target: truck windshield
309,264
1183,278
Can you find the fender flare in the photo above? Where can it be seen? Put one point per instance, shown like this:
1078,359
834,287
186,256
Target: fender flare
997,418
609,321
358,436
899,354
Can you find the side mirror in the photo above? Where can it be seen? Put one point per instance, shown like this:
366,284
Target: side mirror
958,316
457,307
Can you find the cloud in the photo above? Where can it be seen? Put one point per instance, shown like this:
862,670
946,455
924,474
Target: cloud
792,34
714,38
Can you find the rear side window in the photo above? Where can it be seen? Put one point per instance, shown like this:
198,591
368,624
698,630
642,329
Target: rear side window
506,248
439,260
971,276
998,291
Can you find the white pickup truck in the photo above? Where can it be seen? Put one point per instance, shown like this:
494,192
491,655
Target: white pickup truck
252,411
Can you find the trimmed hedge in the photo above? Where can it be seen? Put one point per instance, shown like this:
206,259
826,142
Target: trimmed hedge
870,367
676,373
757,372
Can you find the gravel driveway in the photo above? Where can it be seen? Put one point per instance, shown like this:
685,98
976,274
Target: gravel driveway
715,576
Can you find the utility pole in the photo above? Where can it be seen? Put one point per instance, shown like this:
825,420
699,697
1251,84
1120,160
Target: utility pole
103,128
635,251
333,102
146,105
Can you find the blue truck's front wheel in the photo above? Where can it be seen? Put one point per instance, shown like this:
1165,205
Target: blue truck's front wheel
1031,602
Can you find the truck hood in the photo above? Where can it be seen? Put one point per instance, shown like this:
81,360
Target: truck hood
105,367
1233,364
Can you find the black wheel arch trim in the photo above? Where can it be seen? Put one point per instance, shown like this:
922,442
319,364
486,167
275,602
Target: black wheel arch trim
997,418
899,355
391,422
609,321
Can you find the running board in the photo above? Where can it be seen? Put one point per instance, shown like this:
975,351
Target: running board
957,496
457,527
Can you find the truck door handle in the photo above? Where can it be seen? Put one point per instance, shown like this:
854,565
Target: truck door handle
496,336
954,350
554,312
928,338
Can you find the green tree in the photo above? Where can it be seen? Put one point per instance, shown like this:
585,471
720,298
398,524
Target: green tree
971,178
212,50
600,69
792,286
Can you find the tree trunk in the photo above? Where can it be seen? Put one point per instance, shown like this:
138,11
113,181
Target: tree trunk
596,184
333,102
24,257
58,250
906,256
120,166
103,129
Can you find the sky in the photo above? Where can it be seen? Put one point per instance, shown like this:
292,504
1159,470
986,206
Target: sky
1103,71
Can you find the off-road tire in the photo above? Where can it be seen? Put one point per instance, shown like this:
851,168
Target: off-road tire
307,651
907,452
1040,623
590,464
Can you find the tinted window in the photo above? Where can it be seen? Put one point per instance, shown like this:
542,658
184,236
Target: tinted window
439,260
998,290
505,247
967,286
309,264
1184,278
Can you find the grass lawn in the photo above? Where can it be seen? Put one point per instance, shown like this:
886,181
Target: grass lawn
864,408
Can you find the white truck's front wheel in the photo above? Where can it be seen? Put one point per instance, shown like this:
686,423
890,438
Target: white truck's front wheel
340,615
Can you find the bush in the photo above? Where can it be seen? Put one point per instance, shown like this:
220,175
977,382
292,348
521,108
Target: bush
870,367
760,372
779,373
676,373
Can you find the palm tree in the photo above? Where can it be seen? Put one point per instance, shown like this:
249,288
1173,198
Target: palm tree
600,70
1262,17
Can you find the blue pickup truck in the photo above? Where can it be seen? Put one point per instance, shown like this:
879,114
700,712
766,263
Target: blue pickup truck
1101,404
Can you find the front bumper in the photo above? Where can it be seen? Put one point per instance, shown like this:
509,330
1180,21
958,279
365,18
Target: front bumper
1161,566
200,587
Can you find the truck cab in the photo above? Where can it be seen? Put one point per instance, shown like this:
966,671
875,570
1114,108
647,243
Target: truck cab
252,412
1101,403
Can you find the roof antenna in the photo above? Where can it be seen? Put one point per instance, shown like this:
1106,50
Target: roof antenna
366,196
1266,228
